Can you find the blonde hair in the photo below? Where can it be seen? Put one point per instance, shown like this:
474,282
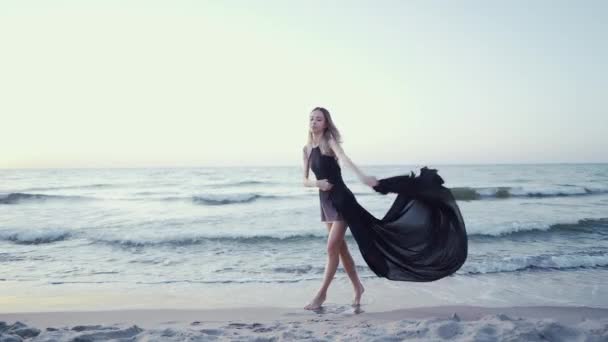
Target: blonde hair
331,131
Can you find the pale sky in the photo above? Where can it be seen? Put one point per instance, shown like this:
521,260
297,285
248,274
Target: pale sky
213,83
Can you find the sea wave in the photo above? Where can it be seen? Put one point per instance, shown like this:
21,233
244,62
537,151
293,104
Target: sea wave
227,199
35,237
586,225
19,197
536,262
481,193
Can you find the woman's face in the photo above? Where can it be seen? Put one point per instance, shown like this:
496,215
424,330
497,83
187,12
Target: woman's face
317,121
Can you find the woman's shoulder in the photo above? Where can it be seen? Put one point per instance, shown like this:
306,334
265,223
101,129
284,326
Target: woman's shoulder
306,149
335,146
332,142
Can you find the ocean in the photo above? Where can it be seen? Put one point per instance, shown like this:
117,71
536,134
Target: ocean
538,234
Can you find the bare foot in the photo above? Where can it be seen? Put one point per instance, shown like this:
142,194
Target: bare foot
316,303
358,293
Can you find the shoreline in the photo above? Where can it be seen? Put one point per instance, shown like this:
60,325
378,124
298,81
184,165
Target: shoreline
334,322
565,314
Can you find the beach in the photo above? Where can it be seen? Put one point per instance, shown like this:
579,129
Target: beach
236,253
168,170
335,323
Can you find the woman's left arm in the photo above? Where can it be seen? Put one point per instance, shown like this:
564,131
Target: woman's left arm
367,180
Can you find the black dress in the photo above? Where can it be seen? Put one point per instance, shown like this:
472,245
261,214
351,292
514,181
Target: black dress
329,170
422,237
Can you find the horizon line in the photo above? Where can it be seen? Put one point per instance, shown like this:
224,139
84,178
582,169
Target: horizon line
293,165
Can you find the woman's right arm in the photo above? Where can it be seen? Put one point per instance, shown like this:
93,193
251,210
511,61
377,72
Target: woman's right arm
309,183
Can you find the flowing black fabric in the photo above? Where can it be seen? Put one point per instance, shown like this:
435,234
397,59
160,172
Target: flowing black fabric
422,237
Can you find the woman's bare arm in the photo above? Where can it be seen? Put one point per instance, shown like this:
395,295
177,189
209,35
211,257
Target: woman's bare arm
368,180
309,183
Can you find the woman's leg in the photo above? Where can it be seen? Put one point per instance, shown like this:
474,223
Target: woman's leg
334,244
351,270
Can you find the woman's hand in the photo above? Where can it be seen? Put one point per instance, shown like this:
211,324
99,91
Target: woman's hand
324,185
370,181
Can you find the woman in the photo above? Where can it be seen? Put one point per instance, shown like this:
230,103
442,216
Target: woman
321,154
422,237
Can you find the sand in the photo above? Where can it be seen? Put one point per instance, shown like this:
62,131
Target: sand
332,323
